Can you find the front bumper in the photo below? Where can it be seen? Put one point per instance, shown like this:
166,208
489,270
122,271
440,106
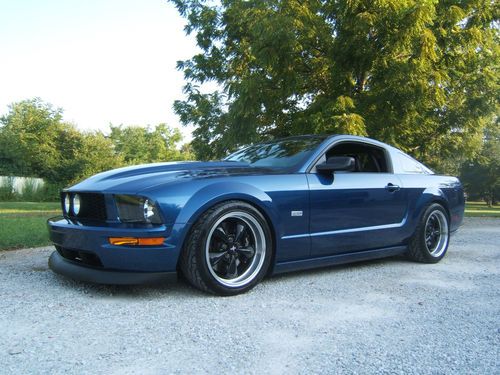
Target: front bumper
84,253
81,273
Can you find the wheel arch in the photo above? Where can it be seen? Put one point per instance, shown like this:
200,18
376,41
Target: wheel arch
220,193
429,196
417,249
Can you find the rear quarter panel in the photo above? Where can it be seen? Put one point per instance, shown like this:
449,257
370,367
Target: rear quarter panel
424,190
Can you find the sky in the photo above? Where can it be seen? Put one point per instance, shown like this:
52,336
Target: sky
102,62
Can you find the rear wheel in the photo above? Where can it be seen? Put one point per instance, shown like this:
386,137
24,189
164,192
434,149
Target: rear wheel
228,250
430,241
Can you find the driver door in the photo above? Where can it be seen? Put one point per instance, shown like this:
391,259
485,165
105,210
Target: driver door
355,211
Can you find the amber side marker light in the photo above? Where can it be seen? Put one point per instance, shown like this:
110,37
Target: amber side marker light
134,241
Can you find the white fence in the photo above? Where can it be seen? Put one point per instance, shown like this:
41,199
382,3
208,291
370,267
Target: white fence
19,183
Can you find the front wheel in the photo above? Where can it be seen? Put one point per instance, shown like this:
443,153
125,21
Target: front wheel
228,250
430,241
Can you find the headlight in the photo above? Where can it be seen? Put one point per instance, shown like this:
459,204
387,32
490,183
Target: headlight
76,204
149,209
66,203
133,209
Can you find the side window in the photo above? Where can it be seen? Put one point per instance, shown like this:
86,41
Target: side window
410,165
368,158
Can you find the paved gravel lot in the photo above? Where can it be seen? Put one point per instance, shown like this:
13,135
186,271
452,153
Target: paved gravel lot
387,316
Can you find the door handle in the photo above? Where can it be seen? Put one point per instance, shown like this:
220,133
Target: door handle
391,187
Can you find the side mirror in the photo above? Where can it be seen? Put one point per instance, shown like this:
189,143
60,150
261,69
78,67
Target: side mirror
337,163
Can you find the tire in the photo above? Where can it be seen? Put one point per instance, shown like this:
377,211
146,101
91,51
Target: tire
430,241
228,250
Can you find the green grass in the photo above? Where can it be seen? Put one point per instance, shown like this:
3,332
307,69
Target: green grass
23,224
29,206
478,209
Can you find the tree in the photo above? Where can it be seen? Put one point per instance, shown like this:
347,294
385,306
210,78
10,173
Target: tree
85,154
481,176
28,136
138,144
419,74
187,152
35,142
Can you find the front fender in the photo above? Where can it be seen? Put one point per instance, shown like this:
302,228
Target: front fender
211,195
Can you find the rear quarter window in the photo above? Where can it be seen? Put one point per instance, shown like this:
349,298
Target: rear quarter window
411,166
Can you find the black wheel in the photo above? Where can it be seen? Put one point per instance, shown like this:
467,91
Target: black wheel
228,250
430,241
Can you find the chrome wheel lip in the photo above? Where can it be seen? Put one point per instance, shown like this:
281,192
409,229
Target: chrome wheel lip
441,244
258,258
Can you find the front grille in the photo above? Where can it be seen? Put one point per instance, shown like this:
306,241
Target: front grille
92,207
83,257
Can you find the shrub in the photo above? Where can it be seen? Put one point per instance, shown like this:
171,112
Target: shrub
50,192
7,192
31,190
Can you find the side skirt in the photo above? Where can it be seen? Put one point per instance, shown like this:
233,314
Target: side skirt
337,259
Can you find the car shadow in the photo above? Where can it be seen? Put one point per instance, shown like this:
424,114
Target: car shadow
345,267
159,289
181,287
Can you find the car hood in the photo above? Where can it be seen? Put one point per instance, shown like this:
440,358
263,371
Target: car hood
137,178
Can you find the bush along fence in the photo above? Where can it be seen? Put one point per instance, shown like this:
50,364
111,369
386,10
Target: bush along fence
29,189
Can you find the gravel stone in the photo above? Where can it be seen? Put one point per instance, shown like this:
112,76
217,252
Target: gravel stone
387,316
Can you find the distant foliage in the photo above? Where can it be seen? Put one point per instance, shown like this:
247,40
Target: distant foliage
31,190
28,139
36,142
137,144
27,190
419,74
481,176
7,192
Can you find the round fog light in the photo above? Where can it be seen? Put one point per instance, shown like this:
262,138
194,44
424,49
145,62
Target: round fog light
76,204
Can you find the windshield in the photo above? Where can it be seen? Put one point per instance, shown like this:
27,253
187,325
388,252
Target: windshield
282,153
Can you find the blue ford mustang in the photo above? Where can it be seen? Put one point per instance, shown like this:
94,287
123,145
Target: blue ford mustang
280,206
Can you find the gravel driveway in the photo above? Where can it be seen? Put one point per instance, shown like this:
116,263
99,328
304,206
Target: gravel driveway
386,316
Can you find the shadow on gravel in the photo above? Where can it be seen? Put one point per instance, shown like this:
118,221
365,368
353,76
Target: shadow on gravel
182,288
346,267
130,292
